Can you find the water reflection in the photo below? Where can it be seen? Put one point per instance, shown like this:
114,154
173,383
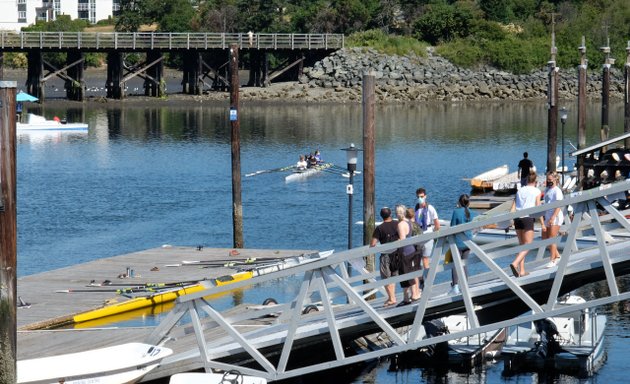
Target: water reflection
153,173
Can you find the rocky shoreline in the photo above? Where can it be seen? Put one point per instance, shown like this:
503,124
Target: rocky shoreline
338,78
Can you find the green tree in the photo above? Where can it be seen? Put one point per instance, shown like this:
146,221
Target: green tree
131,16
174,15
496,10
261,15
216,16
442,22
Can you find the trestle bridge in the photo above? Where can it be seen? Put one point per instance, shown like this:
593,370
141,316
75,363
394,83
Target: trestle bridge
204,58
595,247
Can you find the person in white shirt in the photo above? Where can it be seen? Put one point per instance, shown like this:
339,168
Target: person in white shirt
427,218
526,197
301,164
553,217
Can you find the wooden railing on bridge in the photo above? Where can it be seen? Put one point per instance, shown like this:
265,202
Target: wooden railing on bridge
166,41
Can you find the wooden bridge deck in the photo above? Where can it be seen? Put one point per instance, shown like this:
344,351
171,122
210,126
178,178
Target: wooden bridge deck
142,41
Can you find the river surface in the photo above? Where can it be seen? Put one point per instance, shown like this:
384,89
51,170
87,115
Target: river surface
145,176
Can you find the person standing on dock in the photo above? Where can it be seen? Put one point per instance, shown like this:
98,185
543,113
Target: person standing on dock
427,218
386,233
407,255
461,215
524,168
526,197
553,217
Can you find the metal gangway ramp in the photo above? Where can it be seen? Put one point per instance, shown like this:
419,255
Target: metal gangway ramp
595,246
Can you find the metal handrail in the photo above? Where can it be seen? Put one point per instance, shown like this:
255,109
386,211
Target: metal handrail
159,40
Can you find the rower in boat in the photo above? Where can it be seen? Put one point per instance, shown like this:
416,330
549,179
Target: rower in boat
318,156
301,164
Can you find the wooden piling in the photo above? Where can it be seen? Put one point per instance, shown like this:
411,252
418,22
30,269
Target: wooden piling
626,97
114,75
581,116
552,103
368,164
237,205
75,86
605,129
8,235
154,82
35,74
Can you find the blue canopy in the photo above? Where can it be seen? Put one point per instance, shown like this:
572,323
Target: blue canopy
23,96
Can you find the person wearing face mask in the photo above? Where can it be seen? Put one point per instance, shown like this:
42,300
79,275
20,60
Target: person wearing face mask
427,218
553,217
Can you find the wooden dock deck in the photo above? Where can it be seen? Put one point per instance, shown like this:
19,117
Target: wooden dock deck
48,308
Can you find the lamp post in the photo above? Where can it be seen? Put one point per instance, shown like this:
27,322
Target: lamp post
563,119
351,156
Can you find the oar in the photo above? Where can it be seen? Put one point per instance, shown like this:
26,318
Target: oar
270,170
118,291
108,283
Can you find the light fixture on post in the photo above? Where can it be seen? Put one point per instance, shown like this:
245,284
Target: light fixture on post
351,156
563,119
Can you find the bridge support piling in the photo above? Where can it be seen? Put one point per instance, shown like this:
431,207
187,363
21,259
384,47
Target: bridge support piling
114,75
154,83
35,74
192,73
259,69
75,85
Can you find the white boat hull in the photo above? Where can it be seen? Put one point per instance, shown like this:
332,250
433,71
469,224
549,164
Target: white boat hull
119,364
37,123
581,353
301,175
484,180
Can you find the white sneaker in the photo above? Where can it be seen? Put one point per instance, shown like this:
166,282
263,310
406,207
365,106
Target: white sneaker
455,290
553,263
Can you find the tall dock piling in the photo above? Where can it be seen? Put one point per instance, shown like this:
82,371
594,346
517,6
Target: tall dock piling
581,115
8,235
626,97
237,205
368,164
552,106
606,93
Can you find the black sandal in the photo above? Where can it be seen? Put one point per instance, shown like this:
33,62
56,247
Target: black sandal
514,271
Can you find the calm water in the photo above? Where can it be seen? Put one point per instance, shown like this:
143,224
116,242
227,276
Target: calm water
147,176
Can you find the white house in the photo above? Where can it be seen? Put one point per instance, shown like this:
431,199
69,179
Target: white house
15,14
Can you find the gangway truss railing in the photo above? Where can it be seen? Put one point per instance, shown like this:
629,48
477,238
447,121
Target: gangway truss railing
595,247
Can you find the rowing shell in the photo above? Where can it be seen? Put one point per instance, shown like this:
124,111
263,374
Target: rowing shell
280,265
140,302
301,175
171,295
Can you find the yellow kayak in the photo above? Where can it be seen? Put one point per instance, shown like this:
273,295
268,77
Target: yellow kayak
138,302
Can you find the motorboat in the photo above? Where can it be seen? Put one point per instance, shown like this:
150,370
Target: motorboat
470,351
484,181
462,353
571,344
125,363
36,123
